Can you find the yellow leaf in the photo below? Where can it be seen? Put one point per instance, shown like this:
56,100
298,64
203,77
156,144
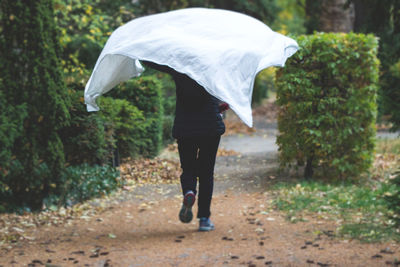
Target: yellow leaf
89,10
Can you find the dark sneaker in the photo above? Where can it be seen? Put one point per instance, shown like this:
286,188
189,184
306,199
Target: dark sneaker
206,225
186,215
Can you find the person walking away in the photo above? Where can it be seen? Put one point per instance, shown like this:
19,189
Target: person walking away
198,126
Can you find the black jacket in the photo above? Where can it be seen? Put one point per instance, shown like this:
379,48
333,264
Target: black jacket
197,112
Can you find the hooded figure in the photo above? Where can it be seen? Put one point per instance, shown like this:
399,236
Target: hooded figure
198,127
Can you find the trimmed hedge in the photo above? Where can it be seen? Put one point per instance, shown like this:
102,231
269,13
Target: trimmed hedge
327,94
145,94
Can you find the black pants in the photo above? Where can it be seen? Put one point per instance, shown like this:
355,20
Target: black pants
197,155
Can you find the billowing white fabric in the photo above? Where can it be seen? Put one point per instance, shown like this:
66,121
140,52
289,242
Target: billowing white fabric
222,50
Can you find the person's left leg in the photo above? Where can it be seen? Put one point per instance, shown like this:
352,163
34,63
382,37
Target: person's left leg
208,147
188,150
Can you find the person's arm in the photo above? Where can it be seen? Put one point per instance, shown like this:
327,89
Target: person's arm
223,107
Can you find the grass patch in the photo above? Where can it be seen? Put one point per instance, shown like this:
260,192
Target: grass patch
369,232
388,146
359,207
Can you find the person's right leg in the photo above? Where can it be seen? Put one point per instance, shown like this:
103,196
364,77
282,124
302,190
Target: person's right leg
188,157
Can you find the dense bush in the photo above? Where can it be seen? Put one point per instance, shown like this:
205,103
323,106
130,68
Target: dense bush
145,94
393,200
168,102
11,127
87,134
327,93
31,77
84,182
127,125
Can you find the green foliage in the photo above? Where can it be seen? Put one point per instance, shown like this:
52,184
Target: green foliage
145,7
11,122
31,77
84,182
85,26
126,124
168,102
168,123
145,94
383,19
291,18
390,93
86,133
313,13
393,198
264,10
264,83
327,93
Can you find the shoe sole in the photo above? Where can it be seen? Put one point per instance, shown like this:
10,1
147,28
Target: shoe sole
206,229
186,214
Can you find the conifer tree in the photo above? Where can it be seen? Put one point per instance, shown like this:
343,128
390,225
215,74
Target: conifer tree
33,88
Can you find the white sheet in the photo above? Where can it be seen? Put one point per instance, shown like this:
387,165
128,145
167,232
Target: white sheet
222,50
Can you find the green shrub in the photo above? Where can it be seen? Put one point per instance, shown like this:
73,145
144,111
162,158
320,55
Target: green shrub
327,93
263,84
391,93
168,102
393,199
31,76
168,93
84,182
168,123
127,125
11,122
85,139
85,26
145,94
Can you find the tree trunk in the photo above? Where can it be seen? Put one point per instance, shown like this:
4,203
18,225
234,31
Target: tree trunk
336,16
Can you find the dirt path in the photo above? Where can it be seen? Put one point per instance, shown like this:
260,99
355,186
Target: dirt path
141,227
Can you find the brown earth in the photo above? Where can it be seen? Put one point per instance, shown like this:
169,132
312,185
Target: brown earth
139,226
133,234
